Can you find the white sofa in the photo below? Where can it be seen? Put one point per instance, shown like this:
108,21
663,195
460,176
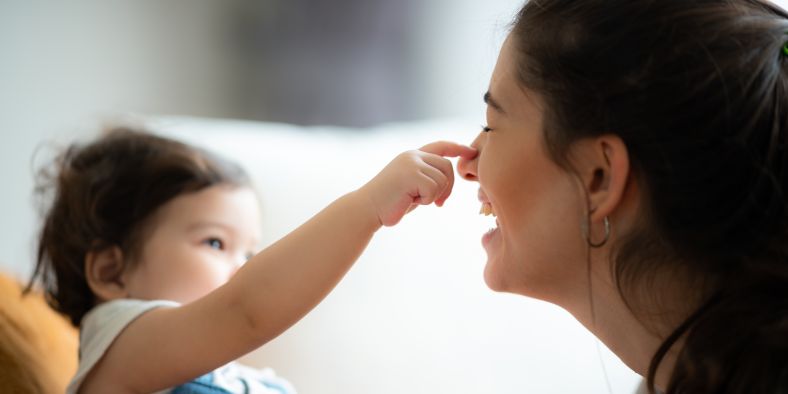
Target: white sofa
414,314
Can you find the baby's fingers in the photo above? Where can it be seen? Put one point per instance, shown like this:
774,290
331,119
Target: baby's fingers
450,149
431,184
445,168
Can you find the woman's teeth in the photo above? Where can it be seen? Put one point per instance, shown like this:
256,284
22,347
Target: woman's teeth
486,209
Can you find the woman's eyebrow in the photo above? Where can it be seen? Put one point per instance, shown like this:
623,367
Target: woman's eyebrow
489,100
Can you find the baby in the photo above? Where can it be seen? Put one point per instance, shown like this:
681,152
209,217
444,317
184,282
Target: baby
149,247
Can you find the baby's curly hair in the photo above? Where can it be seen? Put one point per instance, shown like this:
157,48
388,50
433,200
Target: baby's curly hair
102,194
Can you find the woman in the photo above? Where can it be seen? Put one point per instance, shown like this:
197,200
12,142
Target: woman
635,158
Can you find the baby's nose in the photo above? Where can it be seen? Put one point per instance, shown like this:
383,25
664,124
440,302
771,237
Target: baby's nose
237,263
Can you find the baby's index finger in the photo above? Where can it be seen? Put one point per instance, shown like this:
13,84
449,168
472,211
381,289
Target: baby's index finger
450,149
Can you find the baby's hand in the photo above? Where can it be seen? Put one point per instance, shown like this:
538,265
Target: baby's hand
417,177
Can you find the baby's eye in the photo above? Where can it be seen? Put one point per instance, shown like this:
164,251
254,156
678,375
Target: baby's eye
214,243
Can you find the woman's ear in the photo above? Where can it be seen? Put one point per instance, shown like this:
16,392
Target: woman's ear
104,273
603,164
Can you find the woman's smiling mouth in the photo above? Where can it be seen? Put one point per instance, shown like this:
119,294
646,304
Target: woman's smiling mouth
487,209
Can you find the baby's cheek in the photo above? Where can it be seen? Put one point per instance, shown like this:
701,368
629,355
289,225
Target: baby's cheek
215,276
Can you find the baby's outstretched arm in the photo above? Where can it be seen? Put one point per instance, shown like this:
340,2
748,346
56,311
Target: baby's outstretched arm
275,288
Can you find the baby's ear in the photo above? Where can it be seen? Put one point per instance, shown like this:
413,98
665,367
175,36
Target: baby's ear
103,271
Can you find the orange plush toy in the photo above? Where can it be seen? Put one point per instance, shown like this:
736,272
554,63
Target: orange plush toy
38,347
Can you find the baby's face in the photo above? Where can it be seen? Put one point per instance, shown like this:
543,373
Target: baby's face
197,241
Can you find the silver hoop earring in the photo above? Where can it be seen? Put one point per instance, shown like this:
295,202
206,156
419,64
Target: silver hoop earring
603,241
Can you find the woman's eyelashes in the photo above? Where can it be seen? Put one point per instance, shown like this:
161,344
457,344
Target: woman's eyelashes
486,129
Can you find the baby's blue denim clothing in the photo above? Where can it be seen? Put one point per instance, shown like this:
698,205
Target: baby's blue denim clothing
236,378
104,323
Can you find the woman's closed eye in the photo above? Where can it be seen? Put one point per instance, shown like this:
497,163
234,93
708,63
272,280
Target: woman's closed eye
486,128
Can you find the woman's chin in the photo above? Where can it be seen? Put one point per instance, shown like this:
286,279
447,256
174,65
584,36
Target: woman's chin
491,277
492,243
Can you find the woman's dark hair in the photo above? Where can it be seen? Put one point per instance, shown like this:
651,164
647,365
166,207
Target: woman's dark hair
698,92
102,195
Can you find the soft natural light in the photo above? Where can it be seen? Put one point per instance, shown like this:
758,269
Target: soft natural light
414,314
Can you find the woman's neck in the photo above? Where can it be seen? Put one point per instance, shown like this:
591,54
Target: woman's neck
633,338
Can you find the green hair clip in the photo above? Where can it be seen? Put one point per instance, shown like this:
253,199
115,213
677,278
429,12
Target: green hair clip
785,49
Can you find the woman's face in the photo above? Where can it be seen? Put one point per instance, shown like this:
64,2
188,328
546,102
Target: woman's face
537,248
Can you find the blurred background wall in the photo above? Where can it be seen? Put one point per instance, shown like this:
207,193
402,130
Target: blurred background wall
66,66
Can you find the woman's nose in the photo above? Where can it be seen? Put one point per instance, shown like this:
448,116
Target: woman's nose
467,168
